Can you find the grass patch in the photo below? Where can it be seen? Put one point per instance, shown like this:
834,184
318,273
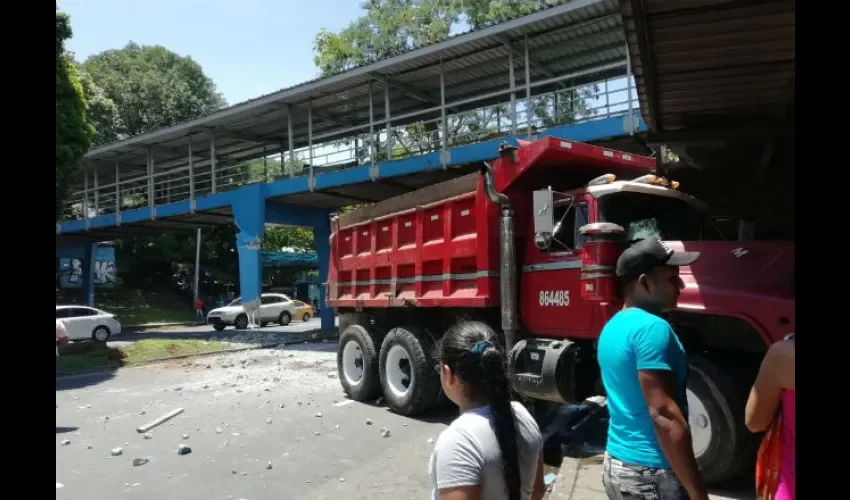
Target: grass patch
138,307
80,356
145,350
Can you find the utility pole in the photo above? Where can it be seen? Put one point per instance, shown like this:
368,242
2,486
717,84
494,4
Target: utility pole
197,266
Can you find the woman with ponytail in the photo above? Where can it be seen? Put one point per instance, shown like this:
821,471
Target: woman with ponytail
492,450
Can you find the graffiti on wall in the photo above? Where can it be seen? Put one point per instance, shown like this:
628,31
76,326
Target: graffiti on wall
105,271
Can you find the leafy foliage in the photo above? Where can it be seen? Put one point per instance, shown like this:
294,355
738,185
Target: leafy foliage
390,27
151,88
73,132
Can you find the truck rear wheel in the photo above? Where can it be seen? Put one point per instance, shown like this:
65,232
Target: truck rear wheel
410,383
722,444
357,363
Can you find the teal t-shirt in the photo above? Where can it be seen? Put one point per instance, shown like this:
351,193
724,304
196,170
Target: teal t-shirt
637,340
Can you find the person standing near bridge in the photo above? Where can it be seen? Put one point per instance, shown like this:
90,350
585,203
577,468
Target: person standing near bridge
771,408
644,370
199,310
492,450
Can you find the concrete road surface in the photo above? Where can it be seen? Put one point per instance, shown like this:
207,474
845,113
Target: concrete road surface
225,418
318,443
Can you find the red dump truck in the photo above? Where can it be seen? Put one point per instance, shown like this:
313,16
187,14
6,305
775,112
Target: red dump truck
529,245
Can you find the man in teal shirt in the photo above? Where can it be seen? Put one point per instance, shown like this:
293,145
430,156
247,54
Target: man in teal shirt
644,370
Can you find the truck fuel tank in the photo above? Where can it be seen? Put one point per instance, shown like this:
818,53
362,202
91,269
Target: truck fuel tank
602,248
544,369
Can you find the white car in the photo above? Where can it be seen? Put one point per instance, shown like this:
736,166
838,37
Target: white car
84,323
274,308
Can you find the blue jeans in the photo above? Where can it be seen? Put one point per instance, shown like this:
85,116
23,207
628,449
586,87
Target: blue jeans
624,481
57,365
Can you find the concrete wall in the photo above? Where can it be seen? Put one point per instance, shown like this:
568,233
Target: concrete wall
71,260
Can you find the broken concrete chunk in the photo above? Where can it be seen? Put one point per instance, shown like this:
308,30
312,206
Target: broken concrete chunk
385,433
269,420
183,449
368,421
317,433
318,414
117,451
66,442
430,440
331,374
269,465
218,430
342,480
140,461
185,436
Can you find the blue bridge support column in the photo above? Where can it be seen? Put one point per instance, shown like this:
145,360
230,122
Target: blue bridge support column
249,215
322,234
88,273
320,221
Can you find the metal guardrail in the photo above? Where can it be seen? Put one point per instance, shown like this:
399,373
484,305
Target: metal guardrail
517,115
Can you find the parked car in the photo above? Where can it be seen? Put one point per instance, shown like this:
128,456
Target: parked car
274,308
84,323
303,311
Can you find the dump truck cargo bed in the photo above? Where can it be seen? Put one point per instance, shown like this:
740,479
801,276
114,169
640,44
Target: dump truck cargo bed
429,248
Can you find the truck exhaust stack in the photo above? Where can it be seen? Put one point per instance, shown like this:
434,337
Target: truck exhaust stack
507,261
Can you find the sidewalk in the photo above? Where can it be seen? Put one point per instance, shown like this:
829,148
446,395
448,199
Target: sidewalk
581,479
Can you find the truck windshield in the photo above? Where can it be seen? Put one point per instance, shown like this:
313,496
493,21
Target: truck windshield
650,216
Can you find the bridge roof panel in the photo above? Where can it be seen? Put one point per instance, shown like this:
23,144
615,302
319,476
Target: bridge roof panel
711,64
574,37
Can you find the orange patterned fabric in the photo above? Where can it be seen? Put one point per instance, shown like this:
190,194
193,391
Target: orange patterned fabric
767,464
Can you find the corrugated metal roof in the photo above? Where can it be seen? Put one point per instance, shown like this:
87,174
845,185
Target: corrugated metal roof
704,63
569,37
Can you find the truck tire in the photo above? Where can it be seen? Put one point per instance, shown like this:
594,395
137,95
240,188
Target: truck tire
357,363
722,444
409,381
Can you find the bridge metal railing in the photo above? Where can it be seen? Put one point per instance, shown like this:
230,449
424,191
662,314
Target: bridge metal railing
421,132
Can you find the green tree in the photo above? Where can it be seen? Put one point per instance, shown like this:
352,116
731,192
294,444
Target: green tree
151,88
73,131
390,27
102,111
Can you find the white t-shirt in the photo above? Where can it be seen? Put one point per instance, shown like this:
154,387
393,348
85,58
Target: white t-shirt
467,454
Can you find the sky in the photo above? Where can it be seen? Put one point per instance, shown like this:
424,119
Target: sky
248,47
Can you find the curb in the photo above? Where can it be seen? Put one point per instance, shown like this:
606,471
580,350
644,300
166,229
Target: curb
194,355
149,326
565,480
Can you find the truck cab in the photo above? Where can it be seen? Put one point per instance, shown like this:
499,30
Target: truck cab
555,299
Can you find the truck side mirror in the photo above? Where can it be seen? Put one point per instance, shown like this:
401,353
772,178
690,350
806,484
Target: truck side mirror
543,203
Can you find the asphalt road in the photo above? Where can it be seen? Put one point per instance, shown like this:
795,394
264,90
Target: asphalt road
225,418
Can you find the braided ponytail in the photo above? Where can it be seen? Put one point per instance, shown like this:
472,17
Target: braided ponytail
470,350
